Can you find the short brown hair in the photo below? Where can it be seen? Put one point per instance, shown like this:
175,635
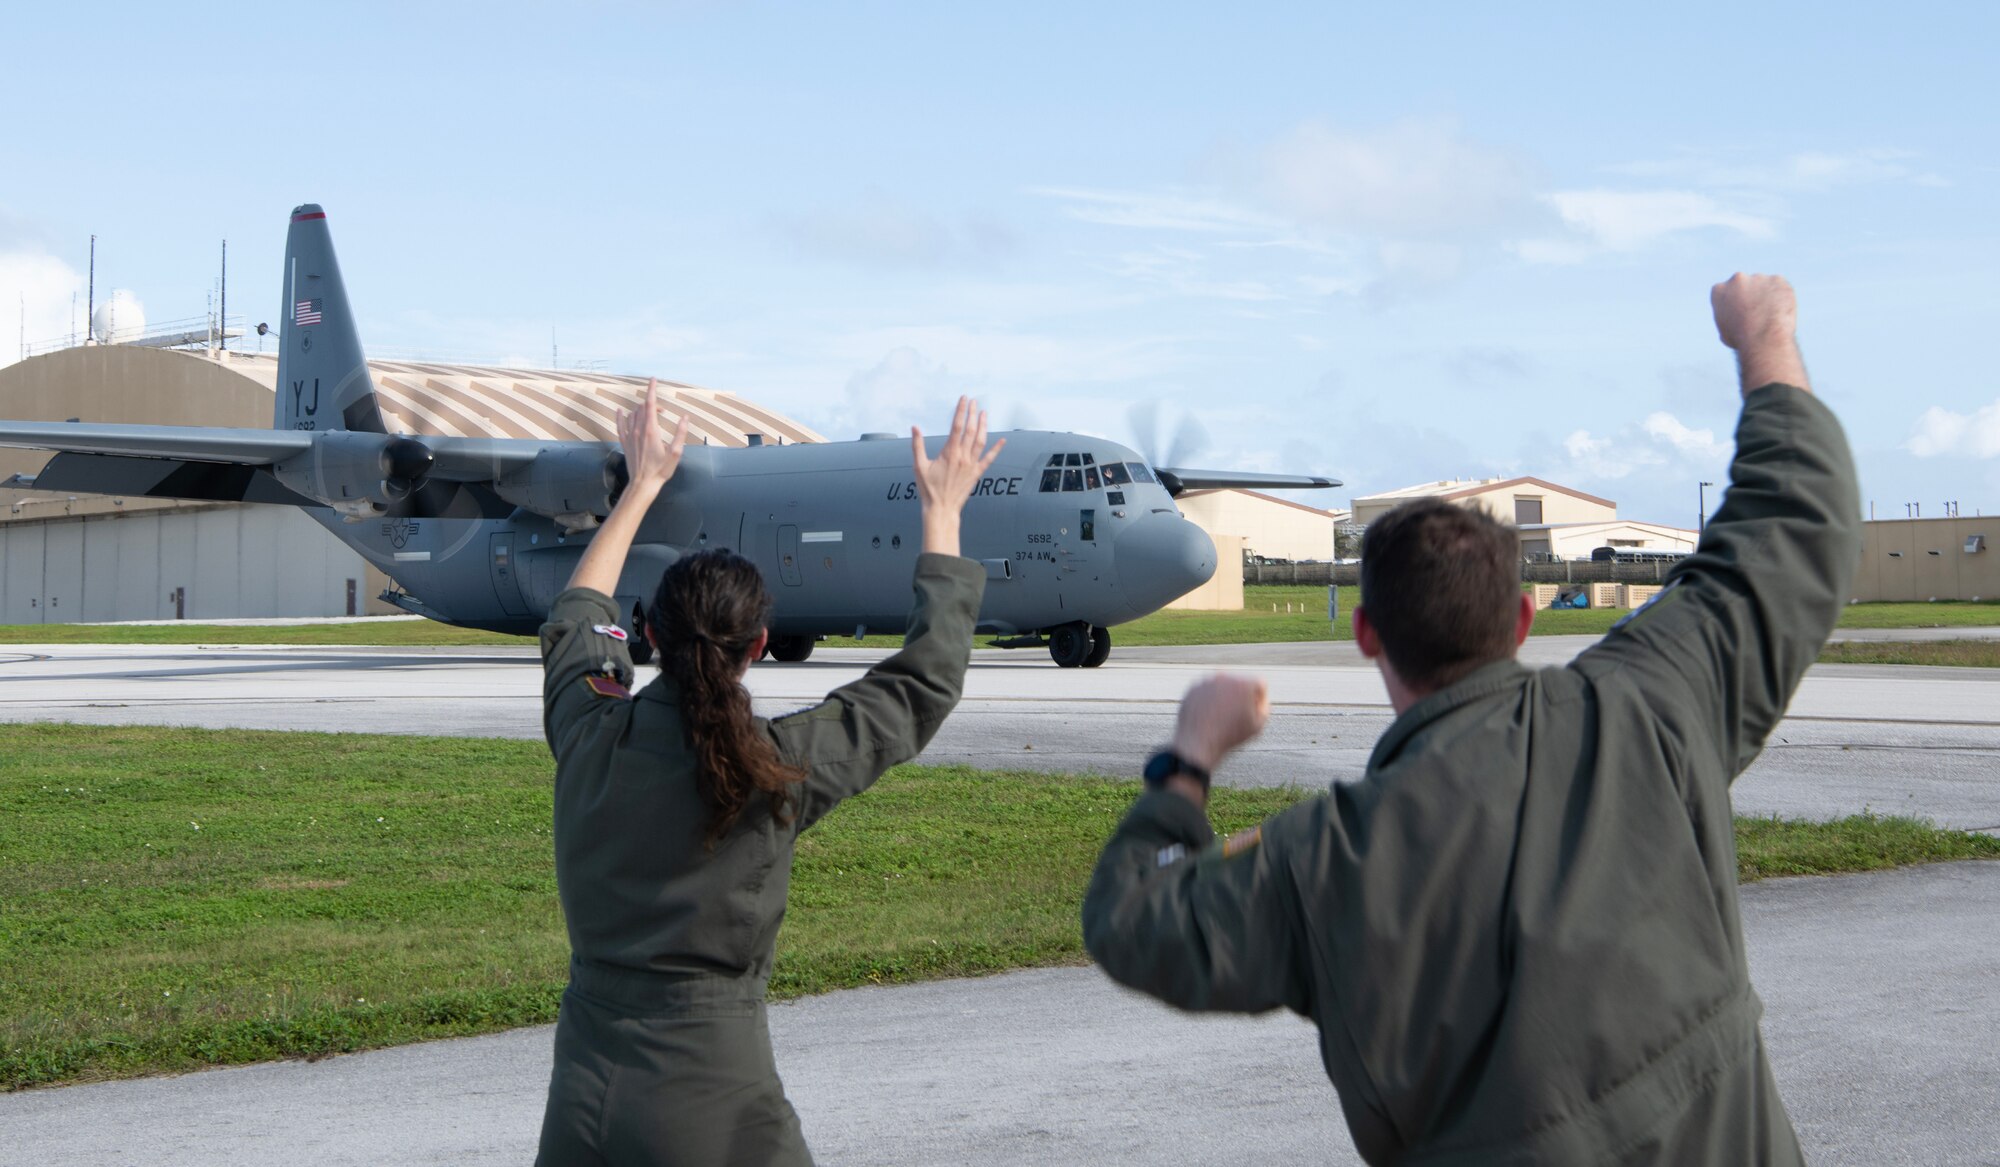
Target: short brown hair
1441,584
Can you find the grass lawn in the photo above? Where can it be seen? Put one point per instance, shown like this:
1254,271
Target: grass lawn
1271,613
179,898
1983,654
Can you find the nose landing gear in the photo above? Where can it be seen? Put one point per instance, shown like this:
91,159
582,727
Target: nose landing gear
1079,645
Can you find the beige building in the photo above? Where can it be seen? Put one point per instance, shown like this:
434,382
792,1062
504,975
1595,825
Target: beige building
1929,559
96,558
1556,541
1521,501
1269,527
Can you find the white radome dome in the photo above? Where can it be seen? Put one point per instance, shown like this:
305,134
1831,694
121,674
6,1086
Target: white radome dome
119,320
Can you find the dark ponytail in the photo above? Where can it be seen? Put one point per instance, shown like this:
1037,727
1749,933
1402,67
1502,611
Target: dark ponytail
708,612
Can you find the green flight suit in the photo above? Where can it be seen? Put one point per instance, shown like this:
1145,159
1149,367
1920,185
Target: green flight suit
1518,934
662,1054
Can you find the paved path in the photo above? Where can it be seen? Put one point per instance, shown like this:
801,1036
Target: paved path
1921,741
1882,997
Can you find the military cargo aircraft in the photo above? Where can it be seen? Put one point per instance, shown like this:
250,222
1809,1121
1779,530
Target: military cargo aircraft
1076,533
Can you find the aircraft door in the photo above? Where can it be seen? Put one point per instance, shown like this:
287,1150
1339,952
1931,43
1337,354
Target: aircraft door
788,555
506,584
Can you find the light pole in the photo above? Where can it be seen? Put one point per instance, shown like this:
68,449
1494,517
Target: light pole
1701,515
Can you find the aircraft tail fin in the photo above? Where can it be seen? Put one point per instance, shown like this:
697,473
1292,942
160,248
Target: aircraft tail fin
323,381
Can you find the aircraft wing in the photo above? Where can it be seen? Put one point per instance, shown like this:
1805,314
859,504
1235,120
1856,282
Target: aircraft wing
242,447
220,464
1236,480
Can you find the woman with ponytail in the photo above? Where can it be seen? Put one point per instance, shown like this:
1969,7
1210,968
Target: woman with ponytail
676,810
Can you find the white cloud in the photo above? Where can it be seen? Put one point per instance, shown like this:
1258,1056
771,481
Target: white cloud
36,292
875,230
1182,272
1023,359
1693,443
1661,443
1171,211
1416,178
1628,220
902,386
1804,171
1941,432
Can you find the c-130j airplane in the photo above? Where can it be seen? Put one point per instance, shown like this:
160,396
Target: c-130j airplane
1077,533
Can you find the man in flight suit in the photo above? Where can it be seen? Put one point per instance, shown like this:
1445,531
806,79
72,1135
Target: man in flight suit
1518,934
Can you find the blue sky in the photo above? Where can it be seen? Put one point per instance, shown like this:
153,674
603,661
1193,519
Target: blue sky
1389,243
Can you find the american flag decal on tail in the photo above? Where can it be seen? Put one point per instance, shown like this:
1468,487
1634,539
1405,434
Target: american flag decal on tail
306,312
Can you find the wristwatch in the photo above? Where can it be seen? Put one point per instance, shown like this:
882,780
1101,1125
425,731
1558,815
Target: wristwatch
1164,764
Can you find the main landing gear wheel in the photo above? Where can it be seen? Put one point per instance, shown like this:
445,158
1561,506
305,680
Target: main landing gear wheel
1069,645
791,649
1100,647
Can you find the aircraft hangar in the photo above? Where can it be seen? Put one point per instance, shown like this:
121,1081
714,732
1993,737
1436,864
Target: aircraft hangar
88,558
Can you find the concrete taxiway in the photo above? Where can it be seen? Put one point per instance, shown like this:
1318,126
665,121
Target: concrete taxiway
1918,741
1882,996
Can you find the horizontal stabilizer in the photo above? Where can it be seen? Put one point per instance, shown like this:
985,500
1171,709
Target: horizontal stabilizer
165,478
1234,480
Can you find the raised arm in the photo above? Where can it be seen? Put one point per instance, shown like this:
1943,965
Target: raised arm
891,714
584,655
650,460
1722,648
1169,912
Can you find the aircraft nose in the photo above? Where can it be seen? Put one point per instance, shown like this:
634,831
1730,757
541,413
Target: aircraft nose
1162,558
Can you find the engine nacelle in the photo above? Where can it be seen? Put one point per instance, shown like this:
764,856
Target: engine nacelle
359,474
576,487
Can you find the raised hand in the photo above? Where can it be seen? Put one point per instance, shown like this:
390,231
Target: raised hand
1218,714
946,481
1757,315
650,459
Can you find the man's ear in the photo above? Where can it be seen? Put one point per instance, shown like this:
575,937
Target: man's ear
1524,619
1365,636
646,630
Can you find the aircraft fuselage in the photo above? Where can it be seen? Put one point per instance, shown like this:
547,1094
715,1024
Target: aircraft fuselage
835,529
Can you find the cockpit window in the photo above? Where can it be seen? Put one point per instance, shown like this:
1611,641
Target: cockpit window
1090,481
1072,459
1115,474
1140,473
1089,459
1055,459
1072,479
1051,479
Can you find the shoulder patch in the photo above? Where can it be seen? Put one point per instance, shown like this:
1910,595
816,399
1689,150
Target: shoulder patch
607,687
611,630
1241,842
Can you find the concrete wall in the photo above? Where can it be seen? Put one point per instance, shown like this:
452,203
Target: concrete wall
1925,559
231,561
1272,527
1224,590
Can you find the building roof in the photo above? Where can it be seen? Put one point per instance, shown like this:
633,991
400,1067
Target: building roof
1662,528
1452,490
439,400
1262,497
